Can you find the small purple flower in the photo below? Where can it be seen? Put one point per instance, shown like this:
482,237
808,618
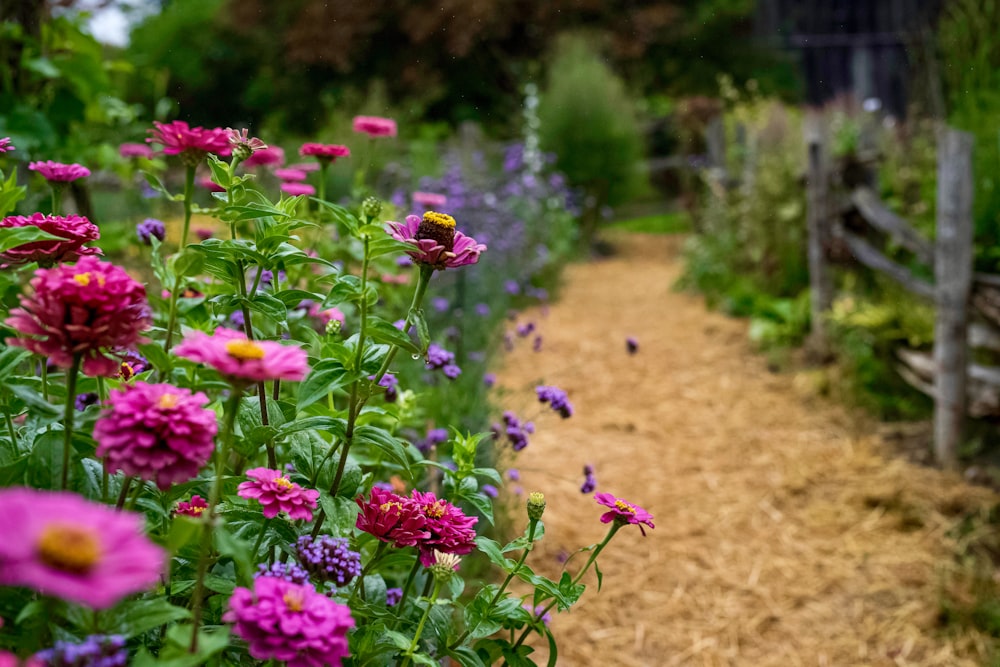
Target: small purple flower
514,475
589,481
536,345
557,400
399,324
83,401
512,288
490,490
288,571
631,345
517,434
95,651
539,293
524,330
329,558
393,596
149,228
537,613
435,437
490,379
237,320
440,304
404,261
451,371
438,357
391,385
482,309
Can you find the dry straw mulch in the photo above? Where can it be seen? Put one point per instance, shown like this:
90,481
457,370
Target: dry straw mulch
783,536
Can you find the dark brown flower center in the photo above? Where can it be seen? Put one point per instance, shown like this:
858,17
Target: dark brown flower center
438,227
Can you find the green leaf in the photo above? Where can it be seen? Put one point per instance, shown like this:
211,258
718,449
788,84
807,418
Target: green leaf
12,237
189,262
183,531
341,514
326,376
423,333
483,504
45,464
391,446
466,657
132,618
228,544
600,576
175,652
12,474
157,184
553,649
220,171
492,551
381,331
479,619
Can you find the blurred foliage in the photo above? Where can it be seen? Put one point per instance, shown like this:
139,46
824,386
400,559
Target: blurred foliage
587,119
451,60
970,65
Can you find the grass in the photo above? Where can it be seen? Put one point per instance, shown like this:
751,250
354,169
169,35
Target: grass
675,222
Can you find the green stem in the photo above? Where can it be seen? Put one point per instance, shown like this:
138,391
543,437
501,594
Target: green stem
126,483
423,281
209,516
45,378
321,189
56,199
359,584
401,605
615,526
532,526
10,425
68,415
423,622
260,539
175,292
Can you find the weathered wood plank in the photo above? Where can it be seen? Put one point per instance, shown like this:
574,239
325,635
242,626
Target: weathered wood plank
953,277
865,253
983,336
983,385
887,222
818,224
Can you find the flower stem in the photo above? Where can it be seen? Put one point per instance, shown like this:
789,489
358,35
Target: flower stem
10,424
406,590
359,584
55,200
45,377
260,539
423,281
126,483
423,622
188,196
68,415
209,515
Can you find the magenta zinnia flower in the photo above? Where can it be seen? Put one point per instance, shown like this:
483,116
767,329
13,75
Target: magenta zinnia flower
392,518
73,231
243,361
194,508
58,172
374,126
429,199
60,544
88,310
243,144
437,242
156,432
324,152
623,512
265,157
277,493
291,623
5,145
290,174
129,149
296,189
191,143
307,167
451,531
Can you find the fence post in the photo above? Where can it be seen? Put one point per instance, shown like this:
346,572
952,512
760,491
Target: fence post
953,280
818,223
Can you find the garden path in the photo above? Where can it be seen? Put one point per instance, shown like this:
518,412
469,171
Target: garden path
783,537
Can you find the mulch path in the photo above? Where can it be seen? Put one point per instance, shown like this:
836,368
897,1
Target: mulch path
784,534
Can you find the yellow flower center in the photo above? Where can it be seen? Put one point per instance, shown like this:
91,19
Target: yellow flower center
624,506
295,600
244,350
197,509
83,279
385,507
439,219
284,482
68,548
435,511
127,371
167,401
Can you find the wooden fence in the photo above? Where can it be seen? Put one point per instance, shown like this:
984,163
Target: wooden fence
967,305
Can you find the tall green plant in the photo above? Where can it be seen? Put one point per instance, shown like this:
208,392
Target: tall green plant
588,120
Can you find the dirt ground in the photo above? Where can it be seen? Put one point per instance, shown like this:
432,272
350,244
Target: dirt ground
783,537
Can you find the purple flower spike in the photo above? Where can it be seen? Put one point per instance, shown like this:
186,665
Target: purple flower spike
556,398
631,345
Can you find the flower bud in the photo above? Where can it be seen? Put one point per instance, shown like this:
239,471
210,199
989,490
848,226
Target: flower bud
371,207
333,327
536,505
444,565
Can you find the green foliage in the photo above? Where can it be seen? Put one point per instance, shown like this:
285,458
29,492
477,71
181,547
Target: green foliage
587,118
667,223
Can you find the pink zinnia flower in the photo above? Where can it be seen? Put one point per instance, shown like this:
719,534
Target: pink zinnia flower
135,150
392,518
277,493
242,143
73,231
296,189
391,279
192,143
623,512
289,174
194,508
210,185
243,361
266,157
91,309
290,623
374,126
429,199
324,152
58,172
11,660
437,242
60,544
5,145
451,531
156,432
